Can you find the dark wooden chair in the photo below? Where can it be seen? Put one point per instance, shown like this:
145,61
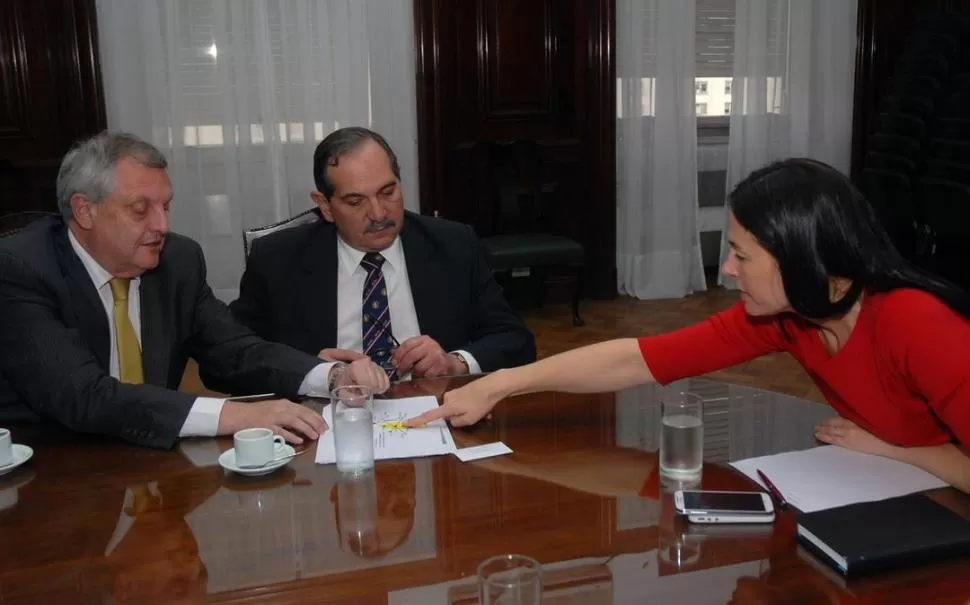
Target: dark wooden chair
510,175
250,235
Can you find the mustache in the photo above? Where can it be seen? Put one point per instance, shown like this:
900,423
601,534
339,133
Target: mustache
378,225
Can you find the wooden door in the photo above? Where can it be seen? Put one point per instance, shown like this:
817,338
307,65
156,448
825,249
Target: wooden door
50,94
504,70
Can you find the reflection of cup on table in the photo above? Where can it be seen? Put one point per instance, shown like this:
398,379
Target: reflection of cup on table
510,580
9,495
6,447
256,447
353,428
8,498
681,436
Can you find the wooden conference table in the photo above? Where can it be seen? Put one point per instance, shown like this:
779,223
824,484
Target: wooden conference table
92,520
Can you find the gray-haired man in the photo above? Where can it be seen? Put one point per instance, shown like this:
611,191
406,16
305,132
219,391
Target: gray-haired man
101,308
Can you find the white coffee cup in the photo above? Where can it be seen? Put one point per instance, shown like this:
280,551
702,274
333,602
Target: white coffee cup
255,447
6,447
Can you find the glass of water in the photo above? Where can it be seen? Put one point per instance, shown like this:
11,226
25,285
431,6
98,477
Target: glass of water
353,428
682,436
510,580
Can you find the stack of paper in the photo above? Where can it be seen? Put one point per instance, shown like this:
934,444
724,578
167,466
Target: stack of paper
432,440
830,476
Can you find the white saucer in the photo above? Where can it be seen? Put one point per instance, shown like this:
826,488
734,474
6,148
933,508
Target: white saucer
21,454
228,461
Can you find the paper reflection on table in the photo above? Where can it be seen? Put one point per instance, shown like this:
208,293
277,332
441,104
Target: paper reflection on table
255,533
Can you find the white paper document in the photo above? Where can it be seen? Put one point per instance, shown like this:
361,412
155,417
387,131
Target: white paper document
478,452
830,476
431,440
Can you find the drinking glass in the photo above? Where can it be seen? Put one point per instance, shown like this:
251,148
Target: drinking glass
510,580
682,436
353,428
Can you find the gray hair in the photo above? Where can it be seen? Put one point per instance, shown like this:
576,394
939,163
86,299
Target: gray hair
89,167
338,143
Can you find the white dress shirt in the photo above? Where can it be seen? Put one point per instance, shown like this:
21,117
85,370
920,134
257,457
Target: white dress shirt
203,418
350,293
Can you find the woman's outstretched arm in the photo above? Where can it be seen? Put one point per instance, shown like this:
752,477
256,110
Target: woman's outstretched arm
607,366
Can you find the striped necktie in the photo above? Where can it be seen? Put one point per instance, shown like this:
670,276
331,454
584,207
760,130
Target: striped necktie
376,315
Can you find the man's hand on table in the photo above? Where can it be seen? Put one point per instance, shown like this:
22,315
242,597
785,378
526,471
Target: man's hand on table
293,421
423,357
365,372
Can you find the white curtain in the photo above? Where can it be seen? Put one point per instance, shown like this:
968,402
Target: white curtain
237,94
793,86
658,249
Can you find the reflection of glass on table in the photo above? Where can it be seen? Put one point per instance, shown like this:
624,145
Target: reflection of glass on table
679,547
357,513
510,580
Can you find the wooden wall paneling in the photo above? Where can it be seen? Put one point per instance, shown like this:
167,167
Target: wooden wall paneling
881,30
52,94
501,70
601,151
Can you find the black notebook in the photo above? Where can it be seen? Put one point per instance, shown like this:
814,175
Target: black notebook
873,536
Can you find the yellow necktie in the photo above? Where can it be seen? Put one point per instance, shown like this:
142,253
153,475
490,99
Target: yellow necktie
129,353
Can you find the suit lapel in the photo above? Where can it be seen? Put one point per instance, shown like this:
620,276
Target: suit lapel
421,275
319,308
156,341
90,318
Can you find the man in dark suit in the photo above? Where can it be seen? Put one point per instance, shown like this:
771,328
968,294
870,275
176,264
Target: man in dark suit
413,293
100,310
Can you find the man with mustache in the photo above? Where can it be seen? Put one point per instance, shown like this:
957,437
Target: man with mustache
413,293
101,307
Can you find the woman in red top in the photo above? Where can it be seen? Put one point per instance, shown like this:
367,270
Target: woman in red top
887,344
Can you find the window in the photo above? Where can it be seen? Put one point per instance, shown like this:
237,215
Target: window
714,39
714,64
214,47
714,49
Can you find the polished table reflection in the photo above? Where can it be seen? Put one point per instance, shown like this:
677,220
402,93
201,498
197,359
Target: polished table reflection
93,520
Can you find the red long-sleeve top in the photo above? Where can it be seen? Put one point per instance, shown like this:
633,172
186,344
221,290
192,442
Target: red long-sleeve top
903,375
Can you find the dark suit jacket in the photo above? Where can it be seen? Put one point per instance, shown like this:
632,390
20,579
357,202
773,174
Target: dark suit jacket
55,350
289,291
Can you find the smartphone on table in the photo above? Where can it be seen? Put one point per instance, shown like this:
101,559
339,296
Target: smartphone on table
702,506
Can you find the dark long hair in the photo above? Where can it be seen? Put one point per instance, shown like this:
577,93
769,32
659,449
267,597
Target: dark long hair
817,225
